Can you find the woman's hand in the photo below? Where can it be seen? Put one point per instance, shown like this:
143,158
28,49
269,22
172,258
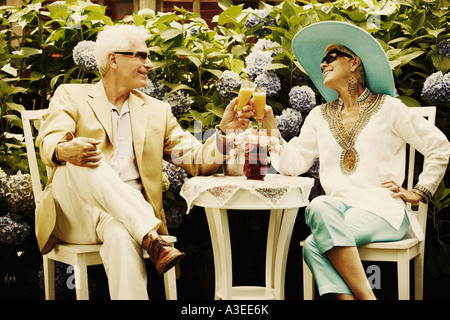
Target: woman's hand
269,122
402,193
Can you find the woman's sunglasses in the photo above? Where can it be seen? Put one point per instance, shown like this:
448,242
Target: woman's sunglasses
333,54
139,54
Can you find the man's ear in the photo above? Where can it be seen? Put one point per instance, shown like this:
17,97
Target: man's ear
112,60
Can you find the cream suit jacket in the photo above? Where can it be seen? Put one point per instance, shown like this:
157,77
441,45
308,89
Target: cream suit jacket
82,110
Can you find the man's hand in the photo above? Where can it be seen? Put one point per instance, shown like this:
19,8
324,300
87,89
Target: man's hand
233,119
79,151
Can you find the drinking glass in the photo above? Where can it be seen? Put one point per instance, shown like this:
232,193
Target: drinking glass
259,102
245,93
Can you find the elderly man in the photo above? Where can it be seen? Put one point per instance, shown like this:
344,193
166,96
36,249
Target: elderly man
105,143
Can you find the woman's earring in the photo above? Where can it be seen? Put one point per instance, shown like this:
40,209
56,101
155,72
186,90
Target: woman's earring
352,87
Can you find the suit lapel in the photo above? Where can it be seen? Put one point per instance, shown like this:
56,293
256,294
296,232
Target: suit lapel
99,103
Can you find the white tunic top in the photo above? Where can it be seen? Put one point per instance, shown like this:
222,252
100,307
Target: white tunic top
354,163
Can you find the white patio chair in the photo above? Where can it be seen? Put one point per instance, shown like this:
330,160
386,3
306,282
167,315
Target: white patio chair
79,256
401,251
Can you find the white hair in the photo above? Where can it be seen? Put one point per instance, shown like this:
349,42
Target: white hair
116,38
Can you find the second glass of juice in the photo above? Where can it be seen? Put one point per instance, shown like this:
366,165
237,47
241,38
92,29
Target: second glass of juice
259,102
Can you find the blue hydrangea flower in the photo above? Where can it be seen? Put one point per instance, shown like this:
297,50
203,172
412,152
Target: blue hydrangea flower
314,170
270,81
228,81
298,76
289,123
179,102
194,31
255,62
302,98
443,47
174,213
17,192
256,17
13,232
159,90
148,89
436,89
176,175
83,55
267,45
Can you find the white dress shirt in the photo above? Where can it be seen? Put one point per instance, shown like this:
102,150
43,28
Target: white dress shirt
123,160
376,153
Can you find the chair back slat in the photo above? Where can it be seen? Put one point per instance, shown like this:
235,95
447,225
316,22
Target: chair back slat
429,113
27,117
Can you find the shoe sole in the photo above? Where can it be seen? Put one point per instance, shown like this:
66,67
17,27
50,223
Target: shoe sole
171,263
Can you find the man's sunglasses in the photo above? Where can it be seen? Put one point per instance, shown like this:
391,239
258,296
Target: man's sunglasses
139,54
333,54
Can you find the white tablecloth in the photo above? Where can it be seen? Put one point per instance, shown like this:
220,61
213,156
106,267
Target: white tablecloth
271,190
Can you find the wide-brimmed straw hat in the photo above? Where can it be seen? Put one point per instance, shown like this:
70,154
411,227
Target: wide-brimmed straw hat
309,48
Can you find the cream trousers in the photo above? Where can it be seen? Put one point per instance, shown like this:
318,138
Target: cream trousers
96,206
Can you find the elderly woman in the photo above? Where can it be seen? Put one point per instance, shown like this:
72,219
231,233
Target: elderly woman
360,136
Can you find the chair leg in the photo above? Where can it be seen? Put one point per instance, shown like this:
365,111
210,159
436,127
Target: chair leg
308,283
170,284
81,278
403,277
170,281
49,277
418,276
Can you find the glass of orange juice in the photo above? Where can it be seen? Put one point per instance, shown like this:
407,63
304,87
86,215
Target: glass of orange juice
245,93
259,102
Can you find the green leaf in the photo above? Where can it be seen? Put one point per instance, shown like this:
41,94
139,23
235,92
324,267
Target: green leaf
323,16
167,18
26,52
357,15
195,61
11,106
9,70
288,9
224,4
435,33
197,116
417,21
182,51
237,65
230,15
409,101
215,72
275,66
58,10
170,33
216,110
178,86
440,62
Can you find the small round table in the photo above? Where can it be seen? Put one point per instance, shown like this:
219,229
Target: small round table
282,195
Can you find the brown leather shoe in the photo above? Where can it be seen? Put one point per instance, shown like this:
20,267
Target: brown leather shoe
163,255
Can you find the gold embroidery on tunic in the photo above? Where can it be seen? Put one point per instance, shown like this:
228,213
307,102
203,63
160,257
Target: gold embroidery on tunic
370,104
